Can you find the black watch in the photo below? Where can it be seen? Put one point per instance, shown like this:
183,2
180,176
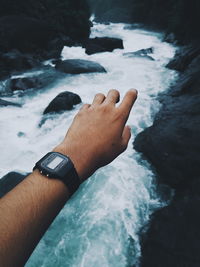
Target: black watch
57,166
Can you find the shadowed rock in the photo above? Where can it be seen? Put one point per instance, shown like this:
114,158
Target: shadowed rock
62,102
103,44
173,238
78,66
47,77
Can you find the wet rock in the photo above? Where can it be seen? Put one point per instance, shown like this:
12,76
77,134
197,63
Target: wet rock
4,103
62,102
24,33
141,53
25,83
14,61
103,44
9,181
37,81
173,238
172,143
77,66
184,57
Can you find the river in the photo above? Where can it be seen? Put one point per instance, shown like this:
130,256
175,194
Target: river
100,225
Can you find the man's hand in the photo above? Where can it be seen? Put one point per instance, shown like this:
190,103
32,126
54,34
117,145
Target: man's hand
97,136
98,133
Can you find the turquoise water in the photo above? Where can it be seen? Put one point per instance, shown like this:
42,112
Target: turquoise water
100,225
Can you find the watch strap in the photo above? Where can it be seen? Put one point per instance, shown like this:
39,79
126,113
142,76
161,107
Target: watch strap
67,174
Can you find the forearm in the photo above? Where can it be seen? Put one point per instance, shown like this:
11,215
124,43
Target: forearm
96,137
32,206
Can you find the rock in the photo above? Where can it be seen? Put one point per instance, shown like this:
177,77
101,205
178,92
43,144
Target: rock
103,44
63,101
4,103
24,83
40,28
141,53
24,33
173,239
77,66
184,57
14,61
172,143
9,181
48,76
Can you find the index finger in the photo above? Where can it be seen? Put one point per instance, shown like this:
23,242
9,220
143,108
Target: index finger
128,102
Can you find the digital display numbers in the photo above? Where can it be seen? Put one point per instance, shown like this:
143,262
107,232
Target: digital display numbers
55,163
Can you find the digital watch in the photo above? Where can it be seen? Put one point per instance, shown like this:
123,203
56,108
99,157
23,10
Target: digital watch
58,166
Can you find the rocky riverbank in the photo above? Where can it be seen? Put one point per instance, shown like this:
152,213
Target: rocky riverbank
32,31
172,146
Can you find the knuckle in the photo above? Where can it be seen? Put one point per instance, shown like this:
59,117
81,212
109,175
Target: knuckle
105,108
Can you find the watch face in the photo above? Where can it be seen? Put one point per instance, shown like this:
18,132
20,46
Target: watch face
55,162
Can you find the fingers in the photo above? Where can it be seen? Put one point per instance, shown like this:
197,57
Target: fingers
127,103
113,97
126,135
98,99
85,106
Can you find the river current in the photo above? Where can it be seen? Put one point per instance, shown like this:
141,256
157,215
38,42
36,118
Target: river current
100,225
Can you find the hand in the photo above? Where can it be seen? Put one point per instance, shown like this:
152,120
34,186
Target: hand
98,133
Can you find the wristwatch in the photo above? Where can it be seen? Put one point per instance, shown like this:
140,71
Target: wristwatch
58,166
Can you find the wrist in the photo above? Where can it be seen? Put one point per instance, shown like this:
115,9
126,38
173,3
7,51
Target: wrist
75,158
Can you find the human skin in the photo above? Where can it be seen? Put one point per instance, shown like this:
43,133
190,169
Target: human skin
96,137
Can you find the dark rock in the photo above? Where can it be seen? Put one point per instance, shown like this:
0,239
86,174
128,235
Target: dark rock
24,83
64,101
173,239
9,181
4,103
103,44
47,77
184,57
14,61
172,143
170,38
40,28
141,53
77,66
24,33
64,17
56,46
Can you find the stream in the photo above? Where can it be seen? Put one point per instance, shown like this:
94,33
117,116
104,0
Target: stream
100,224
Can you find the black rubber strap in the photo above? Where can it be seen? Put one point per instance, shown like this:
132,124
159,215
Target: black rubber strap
68,174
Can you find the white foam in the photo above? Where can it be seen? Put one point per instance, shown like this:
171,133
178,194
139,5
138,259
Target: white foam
100,225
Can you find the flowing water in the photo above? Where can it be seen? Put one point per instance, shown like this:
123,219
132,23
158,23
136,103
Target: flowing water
100,225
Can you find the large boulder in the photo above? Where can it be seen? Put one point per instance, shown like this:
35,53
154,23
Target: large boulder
173,238
67,17
9,181
77,66
103,44
24,33
172,143
62,102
